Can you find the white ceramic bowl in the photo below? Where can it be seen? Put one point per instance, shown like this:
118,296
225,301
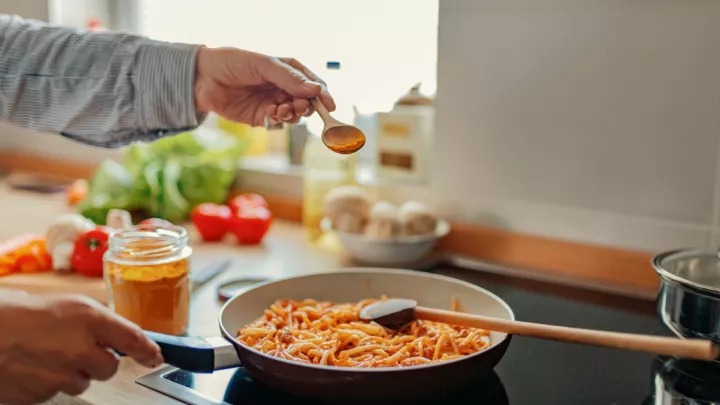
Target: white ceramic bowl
384,252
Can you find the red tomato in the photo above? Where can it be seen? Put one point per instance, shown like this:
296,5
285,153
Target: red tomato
247,201
210,221
250,225
87,257
156,222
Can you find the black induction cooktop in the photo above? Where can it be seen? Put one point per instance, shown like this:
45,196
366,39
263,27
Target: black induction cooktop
532,371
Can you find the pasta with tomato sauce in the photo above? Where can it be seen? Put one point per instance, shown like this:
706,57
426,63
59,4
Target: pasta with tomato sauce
325,333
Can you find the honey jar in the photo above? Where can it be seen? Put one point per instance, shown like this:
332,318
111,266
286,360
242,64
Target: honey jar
146,269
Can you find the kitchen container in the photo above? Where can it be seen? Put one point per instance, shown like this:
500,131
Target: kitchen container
404,139
688,301
402,250
403,143
147,274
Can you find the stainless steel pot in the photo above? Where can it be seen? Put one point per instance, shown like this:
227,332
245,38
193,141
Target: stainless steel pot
684,382
688,301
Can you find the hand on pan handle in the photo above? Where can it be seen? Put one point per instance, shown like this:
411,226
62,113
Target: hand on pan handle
51,344
196,354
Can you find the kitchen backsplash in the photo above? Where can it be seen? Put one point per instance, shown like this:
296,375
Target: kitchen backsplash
589,120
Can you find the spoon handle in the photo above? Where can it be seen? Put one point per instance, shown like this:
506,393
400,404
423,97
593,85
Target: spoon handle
321,110
691,348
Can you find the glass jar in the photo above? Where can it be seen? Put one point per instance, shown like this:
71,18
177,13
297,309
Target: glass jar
146,270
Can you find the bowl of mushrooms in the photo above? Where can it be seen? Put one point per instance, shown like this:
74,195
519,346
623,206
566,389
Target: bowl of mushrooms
381,233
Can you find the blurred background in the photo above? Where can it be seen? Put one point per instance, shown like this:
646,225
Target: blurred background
591,121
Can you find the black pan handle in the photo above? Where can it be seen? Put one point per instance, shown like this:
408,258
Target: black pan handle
195,354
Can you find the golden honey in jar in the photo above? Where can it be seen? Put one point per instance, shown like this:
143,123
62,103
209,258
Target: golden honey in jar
146,270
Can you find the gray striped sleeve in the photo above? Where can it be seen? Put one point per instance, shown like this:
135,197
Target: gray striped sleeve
102,89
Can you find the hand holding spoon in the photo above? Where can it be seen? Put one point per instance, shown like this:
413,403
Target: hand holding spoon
393,313
337,136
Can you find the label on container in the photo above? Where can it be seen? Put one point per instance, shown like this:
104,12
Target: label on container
399,160
396,129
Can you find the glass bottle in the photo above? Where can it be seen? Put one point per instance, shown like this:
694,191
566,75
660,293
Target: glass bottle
324,169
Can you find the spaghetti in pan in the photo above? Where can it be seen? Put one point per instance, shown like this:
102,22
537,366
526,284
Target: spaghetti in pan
327,333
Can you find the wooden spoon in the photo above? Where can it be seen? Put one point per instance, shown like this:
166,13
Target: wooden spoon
394,313
337,136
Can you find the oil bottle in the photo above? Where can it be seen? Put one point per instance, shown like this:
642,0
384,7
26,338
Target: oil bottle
324,169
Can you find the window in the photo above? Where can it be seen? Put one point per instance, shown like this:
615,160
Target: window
385,47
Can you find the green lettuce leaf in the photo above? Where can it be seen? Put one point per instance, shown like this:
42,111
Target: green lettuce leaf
166,178
112,186
174,207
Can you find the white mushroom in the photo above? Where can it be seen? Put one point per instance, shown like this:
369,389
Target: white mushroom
118,219
384,222
416,219
60,238
347,207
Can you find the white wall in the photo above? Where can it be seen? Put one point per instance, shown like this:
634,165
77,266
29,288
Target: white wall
595,120
76,13
37,9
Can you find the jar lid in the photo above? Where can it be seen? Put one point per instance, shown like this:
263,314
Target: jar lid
698,268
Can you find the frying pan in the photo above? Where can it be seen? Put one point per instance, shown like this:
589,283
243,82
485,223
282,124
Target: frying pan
208,354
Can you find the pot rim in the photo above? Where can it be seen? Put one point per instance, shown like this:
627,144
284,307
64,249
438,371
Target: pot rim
674,278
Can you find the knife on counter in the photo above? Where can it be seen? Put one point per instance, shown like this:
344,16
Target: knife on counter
208,272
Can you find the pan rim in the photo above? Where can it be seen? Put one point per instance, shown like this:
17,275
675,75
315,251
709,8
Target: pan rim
367,270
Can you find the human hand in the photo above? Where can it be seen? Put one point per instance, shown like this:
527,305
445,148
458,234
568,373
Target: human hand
51,344
248,87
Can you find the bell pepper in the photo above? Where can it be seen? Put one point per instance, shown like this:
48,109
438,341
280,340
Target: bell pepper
7,265
77,192
87,257
250,224
12,245
27,263
24,254
210,220
33,258
39,249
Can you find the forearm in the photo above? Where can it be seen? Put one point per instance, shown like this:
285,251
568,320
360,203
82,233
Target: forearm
103,89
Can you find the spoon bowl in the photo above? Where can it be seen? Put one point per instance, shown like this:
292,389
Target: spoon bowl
337,136
343,139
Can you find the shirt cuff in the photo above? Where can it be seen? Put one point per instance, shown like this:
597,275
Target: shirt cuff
165,86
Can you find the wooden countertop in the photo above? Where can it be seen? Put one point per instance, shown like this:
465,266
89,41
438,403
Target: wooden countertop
285,252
